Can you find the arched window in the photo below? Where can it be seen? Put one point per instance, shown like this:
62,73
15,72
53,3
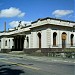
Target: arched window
54,38
0,43
71,37
39,37
64,36
27,42
6,43
9,40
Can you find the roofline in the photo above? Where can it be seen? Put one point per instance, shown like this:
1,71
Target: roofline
41,19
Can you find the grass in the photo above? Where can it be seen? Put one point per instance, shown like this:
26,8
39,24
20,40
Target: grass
36,54
69,50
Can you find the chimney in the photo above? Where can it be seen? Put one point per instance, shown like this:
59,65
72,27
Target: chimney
4,26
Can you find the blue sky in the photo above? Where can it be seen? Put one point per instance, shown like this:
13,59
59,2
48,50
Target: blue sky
13,11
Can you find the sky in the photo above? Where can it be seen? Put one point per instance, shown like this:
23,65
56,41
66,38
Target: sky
27,11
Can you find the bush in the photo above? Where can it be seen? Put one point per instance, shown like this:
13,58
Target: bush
68,55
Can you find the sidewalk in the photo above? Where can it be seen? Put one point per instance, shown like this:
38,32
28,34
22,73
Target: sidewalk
42,58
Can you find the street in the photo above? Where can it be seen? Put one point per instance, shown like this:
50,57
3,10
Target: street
23,66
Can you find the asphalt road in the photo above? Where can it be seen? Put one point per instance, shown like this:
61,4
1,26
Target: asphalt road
23,66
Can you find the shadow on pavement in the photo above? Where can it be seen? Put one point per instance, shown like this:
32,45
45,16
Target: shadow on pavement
8,71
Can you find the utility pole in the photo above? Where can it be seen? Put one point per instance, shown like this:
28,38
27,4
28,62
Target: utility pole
4,26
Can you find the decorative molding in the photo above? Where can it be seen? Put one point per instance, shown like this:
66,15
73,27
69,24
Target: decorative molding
39,32
48,37
31,40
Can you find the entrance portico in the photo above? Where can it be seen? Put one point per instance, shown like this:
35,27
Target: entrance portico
18,42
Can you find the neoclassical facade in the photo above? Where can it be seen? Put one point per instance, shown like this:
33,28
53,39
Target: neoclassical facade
41,34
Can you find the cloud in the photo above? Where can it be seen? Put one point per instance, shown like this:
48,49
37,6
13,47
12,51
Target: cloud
16,23
21,15
11,12
60,13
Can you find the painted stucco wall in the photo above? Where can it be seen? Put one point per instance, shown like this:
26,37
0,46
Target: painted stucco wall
44,39
27,44
46,34
59,39
9,43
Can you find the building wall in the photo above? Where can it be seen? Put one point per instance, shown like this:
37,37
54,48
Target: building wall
34,43
31,40
35,40
9,44
46,39
59,39
73,39
27,43
46,27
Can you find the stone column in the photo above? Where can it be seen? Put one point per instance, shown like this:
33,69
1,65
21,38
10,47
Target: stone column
25,43
14,42
48,34
17,43
20,42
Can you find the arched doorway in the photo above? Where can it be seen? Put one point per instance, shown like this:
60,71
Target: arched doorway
39,37
54,38
71,37
64,35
